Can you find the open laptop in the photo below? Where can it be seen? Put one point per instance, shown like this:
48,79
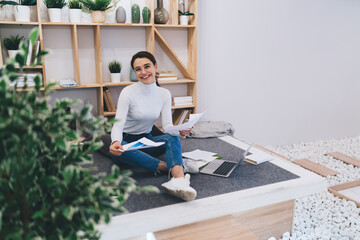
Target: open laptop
223,168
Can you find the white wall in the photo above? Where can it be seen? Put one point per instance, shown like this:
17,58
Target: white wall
281,71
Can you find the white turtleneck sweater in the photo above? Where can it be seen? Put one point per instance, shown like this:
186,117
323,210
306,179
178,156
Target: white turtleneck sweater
139,106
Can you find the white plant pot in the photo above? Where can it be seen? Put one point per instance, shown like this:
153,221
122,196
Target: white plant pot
22,13
115,77
12,53
75,15
184,20
54,14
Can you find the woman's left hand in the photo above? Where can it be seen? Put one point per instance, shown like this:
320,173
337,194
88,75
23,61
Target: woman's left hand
184,133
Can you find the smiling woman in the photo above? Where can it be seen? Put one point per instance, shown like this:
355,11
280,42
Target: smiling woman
139,106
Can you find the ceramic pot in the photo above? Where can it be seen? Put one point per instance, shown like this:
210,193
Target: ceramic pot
22,13
120,15
184,20
54,14
146,15
98,16
133,77
12,53
75,15
115,77
135,13
161,15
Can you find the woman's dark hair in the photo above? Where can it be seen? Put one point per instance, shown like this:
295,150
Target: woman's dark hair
144,54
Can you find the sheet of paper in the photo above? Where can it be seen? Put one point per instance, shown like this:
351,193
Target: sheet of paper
189,124
141,143
259,157
199,155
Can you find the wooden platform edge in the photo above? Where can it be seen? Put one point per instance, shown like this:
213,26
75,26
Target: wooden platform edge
345,158
272,152
315,167
259,223
334,190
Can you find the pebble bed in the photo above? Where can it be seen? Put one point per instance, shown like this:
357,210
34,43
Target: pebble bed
322,215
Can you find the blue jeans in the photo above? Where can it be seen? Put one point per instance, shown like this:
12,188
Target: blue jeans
146,158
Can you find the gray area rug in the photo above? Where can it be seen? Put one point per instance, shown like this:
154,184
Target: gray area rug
244,177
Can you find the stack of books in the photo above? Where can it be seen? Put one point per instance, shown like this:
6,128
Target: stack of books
109,104
20,81
166,75
180,116
182,101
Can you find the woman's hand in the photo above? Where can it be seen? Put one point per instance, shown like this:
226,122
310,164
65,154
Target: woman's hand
116,149
184,133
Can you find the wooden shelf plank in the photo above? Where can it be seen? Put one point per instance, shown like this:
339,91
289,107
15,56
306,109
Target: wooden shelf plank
185,106
315,167
178,81
85,85
96,24
110,84
172,55
173,26
19,23
345,158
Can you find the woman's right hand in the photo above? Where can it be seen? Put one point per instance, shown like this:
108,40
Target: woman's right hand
116,149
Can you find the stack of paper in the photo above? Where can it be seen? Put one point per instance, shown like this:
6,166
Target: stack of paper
259,157
199,158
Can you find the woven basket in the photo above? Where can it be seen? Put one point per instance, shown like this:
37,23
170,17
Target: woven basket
98,16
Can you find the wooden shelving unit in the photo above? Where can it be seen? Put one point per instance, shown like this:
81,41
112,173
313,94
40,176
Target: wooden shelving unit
152,35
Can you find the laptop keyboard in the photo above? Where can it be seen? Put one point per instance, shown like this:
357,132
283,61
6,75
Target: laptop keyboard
224,168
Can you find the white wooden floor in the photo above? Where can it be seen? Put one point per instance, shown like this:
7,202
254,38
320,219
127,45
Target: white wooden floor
140,225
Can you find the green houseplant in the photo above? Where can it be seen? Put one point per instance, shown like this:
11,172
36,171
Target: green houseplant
115,70
12,44
97,9
22,9
184,17
46,191
54,9
74,10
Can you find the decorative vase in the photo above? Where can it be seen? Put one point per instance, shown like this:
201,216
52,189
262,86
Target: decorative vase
161,15
75,15
146,14
115,77
54,14
184,20
120,15
135,13
22,13
98,16
133,77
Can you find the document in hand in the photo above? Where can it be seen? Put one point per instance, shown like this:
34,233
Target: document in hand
141,143
194,118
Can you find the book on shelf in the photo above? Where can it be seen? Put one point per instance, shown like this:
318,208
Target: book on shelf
32,53
177,116
182,101
108,100
166,74
30,50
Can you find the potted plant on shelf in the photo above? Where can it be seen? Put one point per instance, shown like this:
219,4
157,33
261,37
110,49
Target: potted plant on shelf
22,9
184,17
74,10
54,9
47,191
115,70
12,44
97,9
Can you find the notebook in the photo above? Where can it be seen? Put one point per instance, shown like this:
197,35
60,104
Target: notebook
223,168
